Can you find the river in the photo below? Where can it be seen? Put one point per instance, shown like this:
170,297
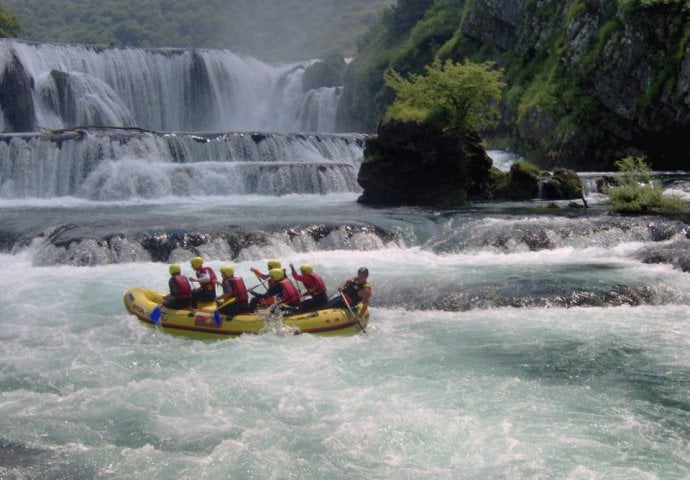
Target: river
511,340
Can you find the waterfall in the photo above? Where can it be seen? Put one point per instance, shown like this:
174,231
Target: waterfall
159,89
114,164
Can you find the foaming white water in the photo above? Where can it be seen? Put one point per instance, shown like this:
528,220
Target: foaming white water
116,165
519,393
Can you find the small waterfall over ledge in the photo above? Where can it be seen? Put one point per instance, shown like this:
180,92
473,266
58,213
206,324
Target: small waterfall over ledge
63,86
120,164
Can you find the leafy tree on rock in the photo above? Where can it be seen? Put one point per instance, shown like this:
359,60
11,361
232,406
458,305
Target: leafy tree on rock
428,150
456,97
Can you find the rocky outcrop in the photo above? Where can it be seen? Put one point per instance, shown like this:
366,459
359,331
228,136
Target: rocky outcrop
325,73
589,81
619,81
415,164
16,97
561,184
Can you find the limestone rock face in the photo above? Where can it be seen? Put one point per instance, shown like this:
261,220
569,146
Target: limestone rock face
416,164
628,66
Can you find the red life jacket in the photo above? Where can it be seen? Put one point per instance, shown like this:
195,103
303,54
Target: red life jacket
211,285
314,284
290,294
236,286
182,288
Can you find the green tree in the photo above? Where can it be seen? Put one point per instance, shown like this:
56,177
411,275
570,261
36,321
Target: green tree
455,97
10,24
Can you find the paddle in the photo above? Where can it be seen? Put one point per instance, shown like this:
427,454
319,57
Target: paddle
353,313
216,314
261,283
156,315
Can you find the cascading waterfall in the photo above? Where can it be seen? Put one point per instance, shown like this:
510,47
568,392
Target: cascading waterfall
161,89
122,164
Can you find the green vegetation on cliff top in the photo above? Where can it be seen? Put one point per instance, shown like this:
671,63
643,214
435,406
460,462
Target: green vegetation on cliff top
10,25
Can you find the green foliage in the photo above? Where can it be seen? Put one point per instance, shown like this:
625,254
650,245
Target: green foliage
645,4
456,97
10,24
404,46
273,30
637,192
398,20
589,62
561,51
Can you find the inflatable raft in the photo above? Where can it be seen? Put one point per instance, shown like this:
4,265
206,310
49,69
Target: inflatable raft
206,322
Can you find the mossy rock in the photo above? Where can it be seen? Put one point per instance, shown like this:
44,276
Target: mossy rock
325,73
524,181
563,184
16,103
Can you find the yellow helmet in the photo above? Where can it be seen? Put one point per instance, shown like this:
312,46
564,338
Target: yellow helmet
174,268
306,268
196,262
277,274
273,263
227,270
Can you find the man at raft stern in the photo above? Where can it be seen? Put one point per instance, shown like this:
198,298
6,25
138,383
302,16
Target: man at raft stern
355,290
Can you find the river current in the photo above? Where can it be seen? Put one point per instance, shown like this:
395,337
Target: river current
523,340
492,352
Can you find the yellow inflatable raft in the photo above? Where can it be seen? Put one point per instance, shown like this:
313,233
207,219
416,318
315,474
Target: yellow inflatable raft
205,322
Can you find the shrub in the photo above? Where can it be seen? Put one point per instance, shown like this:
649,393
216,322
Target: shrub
637,192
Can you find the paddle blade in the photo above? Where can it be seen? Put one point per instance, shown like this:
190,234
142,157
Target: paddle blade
217,319
156,316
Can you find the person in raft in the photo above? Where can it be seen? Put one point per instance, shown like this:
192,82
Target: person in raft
271,264
235,298
315,286
206,278
180,289
283,291
354,291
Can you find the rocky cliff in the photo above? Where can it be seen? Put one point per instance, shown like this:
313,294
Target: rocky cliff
590,81
615,76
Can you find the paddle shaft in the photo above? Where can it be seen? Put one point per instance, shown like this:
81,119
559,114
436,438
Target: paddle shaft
352,313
